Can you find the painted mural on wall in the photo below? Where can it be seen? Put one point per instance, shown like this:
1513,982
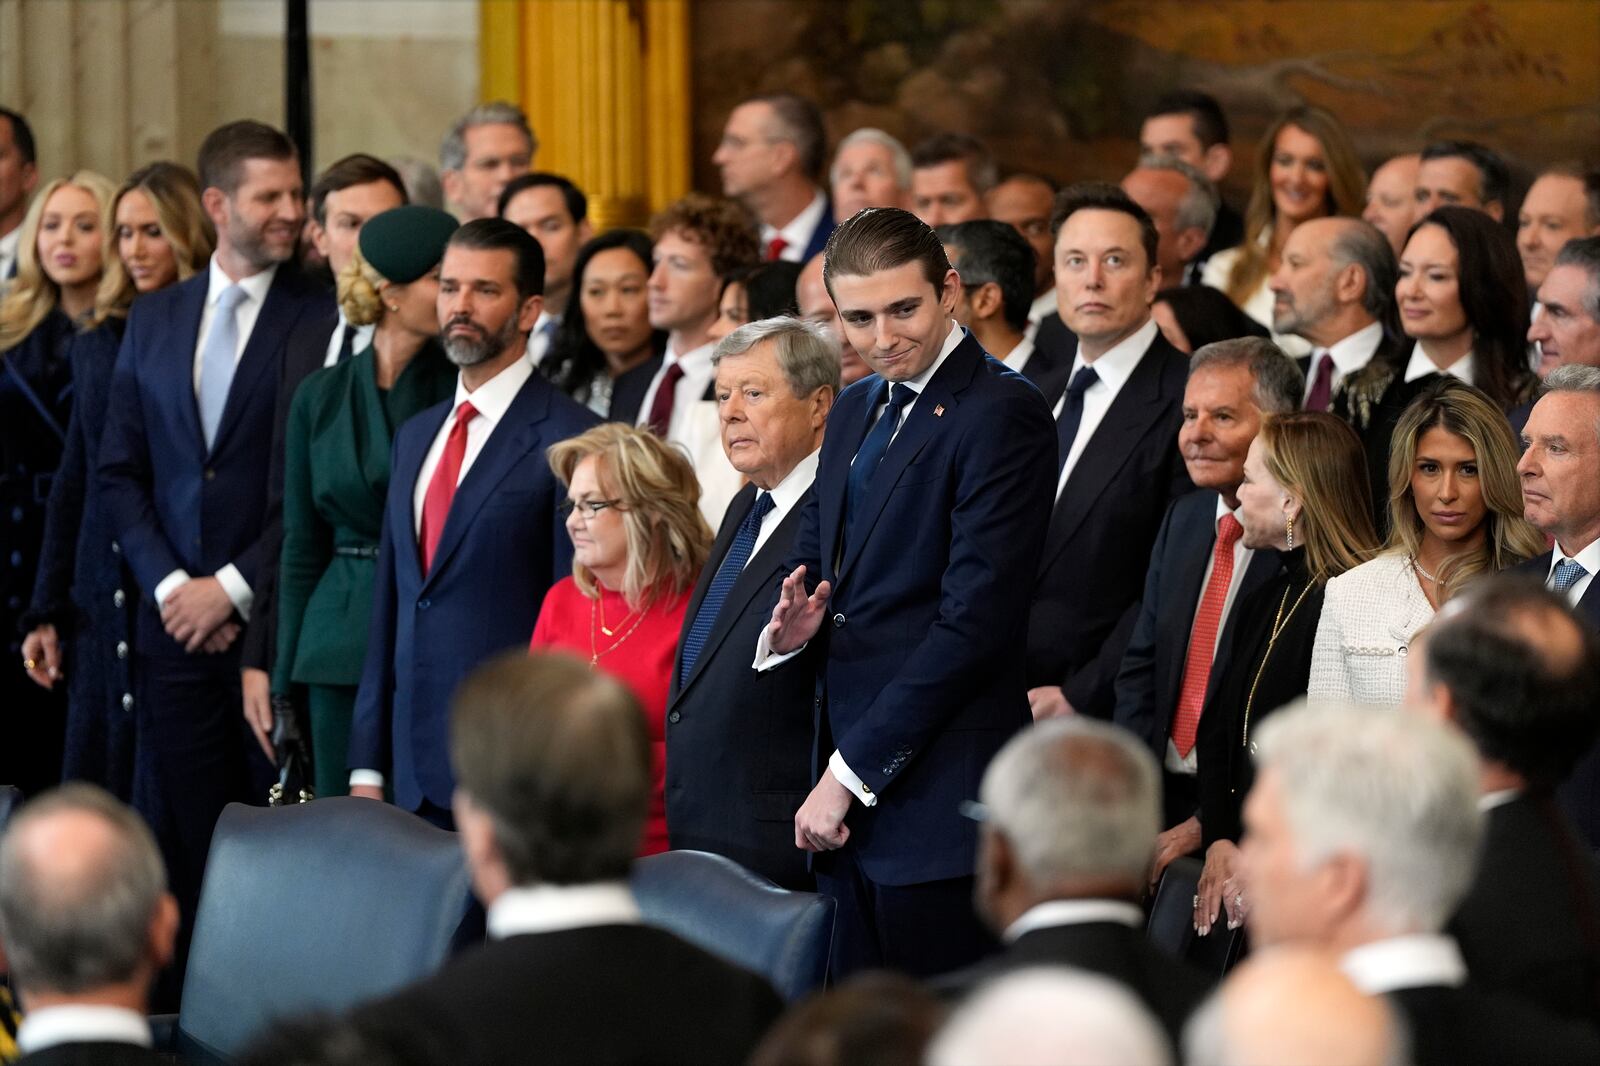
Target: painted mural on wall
1058,86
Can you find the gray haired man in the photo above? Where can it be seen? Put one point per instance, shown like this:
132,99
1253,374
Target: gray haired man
485,149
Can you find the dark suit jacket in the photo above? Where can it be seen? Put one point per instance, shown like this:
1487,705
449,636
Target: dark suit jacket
1171,989
1467,1026
1530,926
502,547
172,504
1054,348
1085,597
621,994
739,741
1151,676
94,1053
921,654
824,230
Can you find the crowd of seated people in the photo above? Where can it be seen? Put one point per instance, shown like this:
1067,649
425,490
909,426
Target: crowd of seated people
991,556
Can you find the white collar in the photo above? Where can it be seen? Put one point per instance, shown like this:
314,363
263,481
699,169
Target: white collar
1116,365
552,908
1420,960
1355,351
81,1023
694,361
1588,557
493,398
1421,366
1224,509
786,493
10,242
1018,357
1046,303
1499,798
255,286
956,335
1056,912
797,234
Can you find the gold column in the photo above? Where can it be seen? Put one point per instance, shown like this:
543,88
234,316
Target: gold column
605,84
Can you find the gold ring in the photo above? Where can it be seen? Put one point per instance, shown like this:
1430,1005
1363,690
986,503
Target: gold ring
28,664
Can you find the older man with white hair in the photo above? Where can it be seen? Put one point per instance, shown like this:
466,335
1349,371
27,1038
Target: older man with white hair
1361,836
1070,812
870,169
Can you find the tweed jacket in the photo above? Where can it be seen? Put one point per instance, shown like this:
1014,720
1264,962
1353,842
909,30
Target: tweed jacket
1369,617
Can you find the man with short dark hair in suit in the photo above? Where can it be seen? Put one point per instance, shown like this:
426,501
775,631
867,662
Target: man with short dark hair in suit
19,175
1070,811
1191,126
1199,568
86,923
184,471
554,770
472,534
1510,666
773,152
923,534
1117,467
738,741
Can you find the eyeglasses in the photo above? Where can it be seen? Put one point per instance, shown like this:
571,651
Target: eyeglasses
587,508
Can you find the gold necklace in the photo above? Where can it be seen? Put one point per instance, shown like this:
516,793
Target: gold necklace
607,630
594,652
1278,625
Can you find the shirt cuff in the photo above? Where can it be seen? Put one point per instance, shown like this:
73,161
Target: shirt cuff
849,780
366,777
238,590
766,658
168,585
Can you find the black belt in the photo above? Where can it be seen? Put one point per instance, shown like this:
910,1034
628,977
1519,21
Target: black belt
364,551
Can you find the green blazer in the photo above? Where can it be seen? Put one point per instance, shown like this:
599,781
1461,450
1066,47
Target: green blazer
336,478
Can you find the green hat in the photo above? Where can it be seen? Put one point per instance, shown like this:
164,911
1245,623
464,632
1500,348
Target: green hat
405,243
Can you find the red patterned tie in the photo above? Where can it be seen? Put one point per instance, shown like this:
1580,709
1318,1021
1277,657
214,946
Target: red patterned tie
442,489
661,407
1203,638
775,248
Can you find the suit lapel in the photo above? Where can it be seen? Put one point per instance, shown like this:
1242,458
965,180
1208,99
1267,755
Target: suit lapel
191,308
1589,604
737,509
833,472
517,432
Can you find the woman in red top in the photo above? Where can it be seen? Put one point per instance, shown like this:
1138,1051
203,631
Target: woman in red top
638,543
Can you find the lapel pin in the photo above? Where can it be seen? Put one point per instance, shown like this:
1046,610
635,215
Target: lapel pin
938,410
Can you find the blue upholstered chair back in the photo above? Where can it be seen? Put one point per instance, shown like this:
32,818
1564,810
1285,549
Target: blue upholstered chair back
718,905
10,802
1171,926
314,907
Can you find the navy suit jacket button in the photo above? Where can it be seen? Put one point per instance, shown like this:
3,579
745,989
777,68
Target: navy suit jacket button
674,717
838,621
424,604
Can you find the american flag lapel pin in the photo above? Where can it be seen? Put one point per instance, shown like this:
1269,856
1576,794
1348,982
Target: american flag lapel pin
938,410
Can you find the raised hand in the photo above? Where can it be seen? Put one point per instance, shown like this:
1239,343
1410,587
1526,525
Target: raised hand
797,617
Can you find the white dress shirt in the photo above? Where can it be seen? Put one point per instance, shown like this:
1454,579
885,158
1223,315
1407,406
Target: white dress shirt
1057,912
766,659
79,1023
697,374
1045,304
1421,960
1190,764
358,343
1588,558
1018,357
696,427
553,908
8,253
797,234
1348,355
1114,367
1499,798
539,338
491,400
785,495
1420,366
245,314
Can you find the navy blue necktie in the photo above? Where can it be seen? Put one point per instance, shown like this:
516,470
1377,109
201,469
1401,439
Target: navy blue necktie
744,542
1072,414
872,450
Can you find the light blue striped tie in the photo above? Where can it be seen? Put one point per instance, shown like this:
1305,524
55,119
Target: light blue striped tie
1568,573
218,360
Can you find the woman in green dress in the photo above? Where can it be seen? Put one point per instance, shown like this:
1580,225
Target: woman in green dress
341,424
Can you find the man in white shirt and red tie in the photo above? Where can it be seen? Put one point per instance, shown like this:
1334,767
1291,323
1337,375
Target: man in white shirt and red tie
472,538
772,155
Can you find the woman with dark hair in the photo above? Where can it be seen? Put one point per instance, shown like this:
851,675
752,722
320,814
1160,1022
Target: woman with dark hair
606,353
1193,316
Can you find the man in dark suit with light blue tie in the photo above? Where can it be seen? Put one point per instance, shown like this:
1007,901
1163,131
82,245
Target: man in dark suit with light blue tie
472,535
184,472
933,492
739,741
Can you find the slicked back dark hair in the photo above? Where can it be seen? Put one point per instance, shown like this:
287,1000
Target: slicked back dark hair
226,149
352,170
21,135
1103,196
577,203
1210,124
1494,177
486,234
1520,702
994,252
883,238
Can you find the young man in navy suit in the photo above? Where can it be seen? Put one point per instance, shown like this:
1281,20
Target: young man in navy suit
922,538
472,537
184,470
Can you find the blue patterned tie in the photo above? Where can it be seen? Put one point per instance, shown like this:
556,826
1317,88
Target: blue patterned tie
1568,573
1072,414
873,448
218,360
744,542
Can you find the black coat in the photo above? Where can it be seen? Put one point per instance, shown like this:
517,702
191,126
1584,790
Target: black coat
94,1053
1467,1026
1054,348
624,994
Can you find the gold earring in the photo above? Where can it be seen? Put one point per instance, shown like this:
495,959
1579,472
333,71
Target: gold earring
394,307
1289,529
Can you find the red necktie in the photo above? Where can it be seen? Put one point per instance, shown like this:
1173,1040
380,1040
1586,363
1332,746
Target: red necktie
1203,638
775,248
661,406
1322,384
442,489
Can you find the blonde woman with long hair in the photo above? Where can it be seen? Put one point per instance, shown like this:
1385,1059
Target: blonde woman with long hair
638,543
1455,512
76,626
1306,167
